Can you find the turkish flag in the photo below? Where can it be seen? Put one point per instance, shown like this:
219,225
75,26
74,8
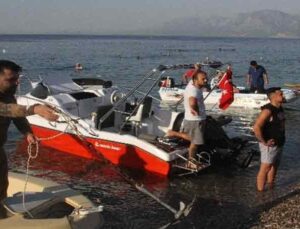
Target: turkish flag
189,73
226,86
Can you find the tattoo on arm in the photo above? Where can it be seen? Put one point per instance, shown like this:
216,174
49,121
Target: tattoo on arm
5,110
12,110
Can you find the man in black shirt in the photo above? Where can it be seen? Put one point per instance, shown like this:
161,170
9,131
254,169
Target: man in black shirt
269,130
10,111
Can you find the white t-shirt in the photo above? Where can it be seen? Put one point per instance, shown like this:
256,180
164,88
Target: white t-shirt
192,91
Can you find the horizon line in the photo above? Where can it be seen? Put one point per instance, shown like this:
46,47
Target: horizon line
140,35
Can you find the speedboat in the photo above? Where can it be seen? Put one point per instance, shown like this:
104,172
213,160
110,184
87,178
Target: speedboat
294,86
242,99
101,121
171,91
46,204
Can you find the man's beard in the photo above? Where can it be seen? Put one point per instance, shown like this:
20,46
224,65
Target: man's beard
10,90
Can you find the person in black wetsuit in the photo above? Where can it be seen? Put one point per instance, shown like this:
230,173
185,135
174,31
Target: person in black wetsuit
269,130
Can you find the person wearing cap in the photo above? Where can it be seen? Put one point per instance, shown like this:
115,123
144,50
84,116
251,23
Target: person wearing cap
257,77
269,130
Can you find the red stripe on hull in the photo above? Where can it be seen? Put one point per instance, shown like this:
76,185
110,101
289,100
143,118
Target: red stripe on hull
118,153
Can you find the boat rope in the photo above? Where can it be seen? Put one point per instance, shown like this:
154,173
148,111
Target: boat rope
72,125
34,155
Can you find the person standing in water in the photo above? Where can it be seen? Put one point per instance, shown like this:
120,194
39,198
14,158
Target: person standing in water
194,116
269,130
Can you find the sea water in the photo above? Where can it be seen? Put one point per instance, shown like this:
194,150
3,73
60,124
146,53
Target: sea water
223,194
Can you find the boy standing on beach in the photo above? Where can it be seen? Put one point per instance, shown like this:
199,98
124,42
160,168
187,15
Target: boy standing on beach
269,130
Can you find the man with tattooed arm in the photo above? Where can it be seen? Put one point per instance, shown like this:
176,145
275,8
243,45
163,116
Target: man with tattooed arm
10,111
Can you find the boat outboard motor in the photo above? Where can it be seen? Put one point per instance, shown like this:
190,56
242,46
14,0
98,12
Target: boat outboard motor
215,136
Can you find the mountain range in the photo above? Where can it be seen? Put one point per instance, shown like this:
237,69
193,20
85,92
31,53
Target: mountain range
263,23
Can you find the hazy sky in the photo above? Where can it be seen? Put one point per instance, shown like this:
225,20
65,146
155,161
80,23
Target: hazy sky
118,16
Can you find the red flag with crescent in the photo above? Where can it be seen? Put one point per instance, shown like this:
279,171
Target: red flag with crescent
225,84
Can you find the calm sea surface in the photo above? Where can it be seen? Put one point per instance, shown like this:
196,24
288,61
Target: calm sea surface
222,194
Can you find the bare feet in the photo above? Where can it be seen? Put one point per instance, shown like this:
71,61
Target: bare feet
193,164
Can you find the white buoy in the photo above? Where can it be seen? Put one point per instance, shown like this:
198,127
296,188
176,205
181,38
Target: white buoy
3,51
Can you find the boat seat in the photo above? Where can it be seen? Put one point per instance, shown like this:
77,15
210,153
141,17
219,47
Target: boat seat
143,111
14,204
109,122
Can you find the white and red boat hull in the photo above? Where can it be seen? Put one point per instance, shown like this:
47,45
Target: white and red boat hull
118,153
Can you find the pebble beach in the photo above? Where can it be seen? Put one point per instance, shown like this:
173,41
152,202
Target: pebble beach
283,213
